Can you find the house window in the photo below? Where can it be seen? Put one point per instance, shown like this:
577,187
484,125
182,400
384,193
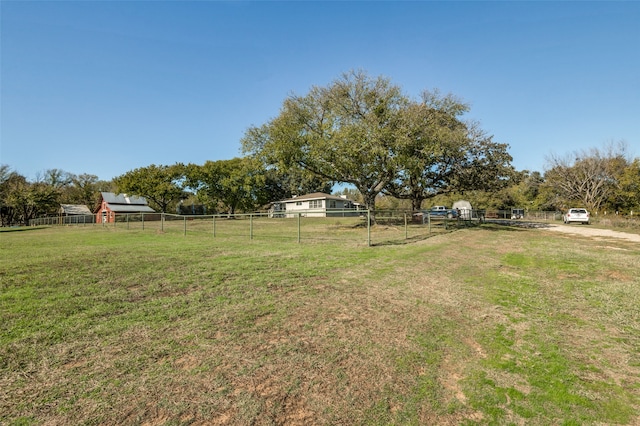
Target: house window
298,203
332,204
315,204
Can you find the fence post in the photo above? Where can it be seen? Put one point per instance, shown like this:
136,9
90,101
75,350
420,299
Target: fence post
185,226
368,227
251,226
142,219
214,225
162,222
406,229
299,214
127,221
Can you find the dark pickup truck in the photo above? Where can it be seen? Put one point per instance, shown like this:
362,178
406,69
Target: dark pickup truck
443,211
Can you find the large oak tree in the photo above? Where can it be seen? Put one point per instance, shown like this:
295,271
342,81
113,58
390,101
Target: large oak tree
443,154
363,131
346,132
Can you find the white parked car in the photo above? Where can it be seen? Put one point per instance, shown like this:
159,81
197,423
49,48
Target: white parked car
576,215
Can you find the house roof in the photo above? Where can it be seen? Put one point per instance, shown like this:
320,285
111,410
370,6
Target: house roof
74,209
316,196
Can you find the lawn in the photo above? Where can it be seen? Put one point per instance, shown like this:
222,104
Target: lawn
483,325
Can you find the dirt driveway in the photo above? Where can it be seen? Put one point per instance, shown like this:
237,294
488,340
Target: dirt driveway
588,231
583,230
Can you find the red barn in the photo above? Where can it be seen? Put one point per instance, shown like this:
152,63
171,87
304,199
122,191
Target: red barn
113,204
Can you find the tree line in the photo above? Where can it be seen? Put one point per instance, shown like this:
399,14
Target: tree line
387,149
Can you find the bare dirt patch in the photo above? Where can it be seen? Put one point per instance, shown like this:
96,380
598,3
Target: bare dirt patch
581,230
587,231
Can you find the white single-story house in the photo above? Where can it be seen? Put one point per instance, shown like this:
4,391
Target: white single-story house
317,204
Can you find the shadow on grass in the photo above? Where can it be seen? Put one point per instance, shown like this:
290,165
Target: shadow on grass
22,228
410,240
512,225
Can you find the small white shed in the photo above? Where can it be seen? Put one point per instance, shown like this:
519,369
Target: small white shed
464,208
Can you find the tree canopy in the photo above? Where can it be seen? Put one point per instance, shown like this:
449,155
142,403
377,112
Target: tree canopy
160,185
365,132
230,185
346,132
591,178
443,154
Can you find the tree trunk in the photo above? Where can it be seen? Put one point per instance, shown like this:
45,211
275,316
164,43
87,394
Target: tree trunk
370,203
416,204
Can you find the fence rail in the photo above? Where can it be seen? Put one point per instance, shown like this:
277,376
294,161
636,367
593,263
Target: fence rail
81,219
391,226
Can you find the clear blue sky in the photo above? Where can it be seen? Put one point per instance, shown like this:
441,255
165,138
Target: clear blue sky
107,87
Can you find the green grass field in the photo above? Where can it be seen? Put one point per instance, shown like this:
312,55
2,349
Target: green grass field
483,325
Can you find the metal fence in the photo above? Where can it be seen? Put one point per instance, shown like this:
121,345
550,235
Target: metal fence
81,219
390,226
523,215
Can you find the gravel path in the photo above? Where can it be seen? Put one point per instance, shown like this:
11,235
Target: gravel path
583,230
588,231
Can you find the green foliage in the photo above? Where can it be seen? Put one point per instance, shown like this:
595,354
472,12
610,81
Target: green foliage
22,200
161,185
589,178
364,132
282,183
236,184
443,154
345,132
627,196
84,189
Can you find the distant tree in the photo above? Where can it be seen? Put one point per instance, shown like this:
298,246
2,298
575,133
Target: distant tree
57,178
80,189
627,195
283,183
351,194
8,181
523,192
586,177
531,183
236,184
25,201
85,189
161,185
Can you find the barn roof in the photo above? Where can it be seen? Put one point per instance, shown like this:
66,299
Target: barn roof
125,199
123,203
136,208
72,209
